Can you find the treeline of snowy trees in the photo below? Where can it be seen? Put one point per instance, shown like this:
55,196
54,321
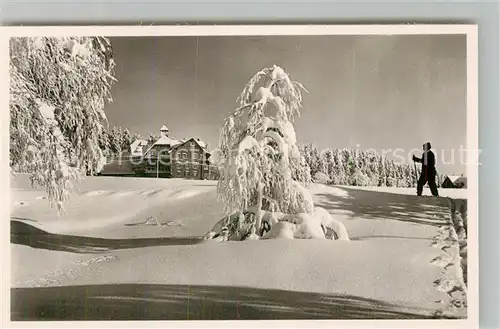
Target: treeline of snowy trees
116,141
112,142
358,168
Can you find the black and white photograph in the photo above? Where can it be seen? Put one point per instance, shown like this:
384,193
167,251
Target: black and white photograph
191,174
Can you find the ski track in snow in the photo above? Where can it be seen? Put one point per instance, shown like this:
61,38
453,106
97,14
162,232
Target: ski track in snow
54,278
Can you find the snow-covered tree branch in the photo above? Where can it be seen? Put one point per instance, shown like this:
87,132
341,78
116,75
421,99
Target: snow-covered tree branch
58,88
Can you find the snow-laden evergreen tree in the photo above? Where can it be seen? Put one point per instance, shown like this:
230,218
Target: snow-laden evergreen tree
321,178
391,174
263,175
323,164
359,178
104,143
373,172
115,140
330,163
126,139
409,179
306,152
120,139
341,169
58,88
440,179
315,161
135,136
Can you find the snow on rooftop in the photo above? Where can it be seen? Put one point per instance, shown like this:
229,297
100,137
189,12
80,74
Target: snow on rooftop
164,140
134,147
454,178
164,128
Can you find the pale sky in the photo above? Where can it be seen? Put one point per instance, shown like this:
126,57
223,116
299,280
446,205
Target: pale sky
378,92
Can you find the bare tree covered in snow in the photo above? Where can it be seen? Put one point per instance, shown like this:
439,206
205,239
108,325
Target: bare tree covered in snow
58,88
263,174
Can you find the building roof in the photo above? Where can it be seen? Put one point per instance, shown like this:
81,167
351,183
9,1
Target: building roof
164,140
137,143
456,178
200,143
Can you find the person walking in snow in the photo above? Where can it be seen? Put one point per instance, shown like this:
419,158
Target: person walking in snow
428,174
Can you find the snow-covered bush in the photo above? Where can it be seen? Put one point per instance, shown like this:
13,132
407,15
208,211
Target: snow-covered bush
262,171
321,178
358,178
58,88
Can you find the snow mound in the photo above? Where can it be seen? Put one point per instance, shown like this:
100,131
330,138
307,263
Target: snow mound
281,230
318,225
183,194
331,223
151,192
123,193
95,193
300,226
308,227
104,201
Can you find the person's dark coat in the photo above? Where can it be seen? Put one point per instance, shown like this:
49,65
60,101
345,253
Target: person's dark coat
428,174
428,161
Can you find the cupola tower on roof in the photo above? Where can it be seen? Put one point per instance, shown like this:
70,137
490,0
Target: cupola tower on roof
164,131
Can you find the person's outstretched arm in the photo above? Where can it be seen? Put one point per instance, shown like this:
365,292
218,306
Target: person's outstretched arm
416,159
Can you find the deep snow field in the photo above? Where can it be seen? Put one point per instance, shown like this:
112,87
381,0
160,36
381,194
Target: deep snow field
105,260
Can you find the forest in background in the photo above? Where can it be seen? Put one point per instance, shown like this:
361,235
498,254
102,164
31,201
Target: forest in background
359,168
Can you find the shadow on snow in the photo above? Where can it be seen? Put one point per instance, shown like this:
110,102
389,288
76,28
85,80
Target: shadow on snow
190,302
357,203
28,235
366,204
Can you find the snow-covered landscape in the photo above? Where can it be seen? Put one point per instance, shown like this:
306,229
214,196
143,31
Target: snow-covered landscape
107,225
105,253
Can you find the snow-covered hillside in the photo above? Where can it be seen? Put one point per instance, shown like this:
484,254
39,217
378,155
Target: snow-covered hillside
103,201
133,244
